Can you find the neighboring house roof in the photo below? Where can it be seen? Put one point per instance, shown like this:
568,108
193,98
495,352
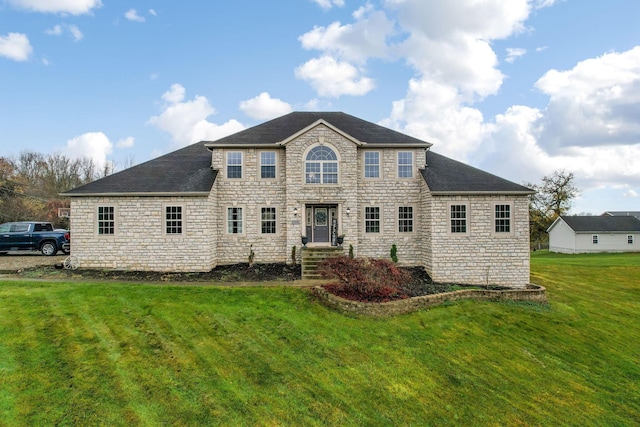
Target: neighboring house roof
280,129
185,171
622,213
600,224
446,176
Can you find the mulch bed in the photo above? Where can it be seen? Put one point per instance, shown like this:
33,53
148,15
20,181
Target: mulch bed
224,273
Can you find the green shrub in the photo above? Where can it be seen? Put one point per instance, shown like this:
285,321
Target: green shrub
351,251
394,253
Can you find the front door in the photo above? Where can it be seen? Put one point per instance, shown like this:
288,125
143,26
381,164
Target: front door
319,222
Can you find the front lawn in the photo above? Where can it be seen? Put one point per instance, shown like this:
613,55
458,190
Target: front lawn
135,354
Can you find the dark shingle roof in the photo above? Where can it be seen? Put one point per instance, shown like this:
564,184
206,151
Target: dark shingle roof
187,170
281,128
623,213
593,224
444,175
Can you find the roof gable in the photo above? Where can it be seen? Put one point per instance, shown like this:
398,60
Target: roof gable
318,123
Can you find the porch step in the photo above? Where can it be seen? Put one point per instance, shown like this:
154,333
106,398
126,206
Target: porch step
312,257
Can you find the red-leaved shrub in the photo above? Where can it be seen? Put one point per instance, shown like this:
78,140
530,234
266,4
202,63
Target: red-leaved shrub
365,279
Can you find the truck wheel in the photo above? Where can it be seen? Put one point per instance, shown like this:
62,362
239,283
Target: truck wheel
48,249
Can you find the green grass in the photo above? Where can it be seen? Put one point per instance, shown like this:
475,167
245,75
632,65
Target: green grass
123,354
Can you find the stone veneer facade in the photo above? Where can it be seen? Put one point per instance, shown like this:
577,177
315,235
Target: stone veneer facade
140,243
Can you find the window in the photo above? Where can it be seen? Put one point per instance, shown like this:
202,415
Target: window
458,218
234,220
371,219
503,218
321,166
234,164
173,219
405,219
594,239
405,164
106,220
268,221
372,164
19,228
267,164
630,239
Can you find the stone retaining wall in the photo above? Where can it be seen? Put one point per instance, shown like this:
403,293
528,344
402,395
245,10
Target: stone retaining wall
533,293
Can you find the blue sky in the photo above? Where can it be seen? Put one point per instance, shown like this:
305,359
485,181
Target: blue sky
518,88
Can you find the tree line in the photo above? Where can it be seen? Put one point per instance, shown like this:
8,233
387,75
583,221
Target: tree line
31,183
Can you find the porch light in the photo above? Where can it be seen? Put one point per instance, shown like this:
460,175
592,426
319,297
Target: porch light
348,211
295,211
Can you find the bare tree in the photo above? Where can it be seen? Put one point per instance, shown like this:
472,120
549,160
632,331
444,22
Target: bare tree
553,198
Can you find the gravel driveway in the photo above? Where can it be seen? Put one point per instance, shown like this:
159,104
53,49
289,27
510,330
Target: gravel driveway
14,261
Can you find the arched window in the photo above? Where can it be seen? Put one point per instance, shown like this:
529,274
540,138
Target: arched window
321,166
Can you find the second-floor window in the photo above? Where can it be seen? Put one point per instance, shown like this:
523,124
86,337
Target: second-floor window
106,220
267,164
321,166
372,164
234,164
405,164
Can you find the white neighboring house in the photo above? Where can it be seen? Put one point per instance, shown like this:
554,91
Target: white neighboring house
582,234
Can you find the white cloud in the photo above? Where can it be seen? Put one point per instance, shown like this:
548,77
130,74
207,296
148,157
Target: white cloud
332,78
132,15
93,145
263,107
175,94
152,12
328,4
15,46
589,127
595,103
59,29
514,53
72,7
364,39
55,31
76,33
186,121
630,193
126,142
434,113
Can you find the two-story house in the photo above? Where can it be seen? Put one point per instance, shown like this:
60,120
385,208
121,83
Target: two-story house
320,175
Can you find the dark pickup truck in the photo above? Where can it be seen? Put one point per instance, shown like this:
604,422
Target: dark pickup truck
34,236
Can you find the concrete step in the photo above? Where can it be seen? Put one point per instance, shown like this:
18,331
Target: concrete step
312,257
